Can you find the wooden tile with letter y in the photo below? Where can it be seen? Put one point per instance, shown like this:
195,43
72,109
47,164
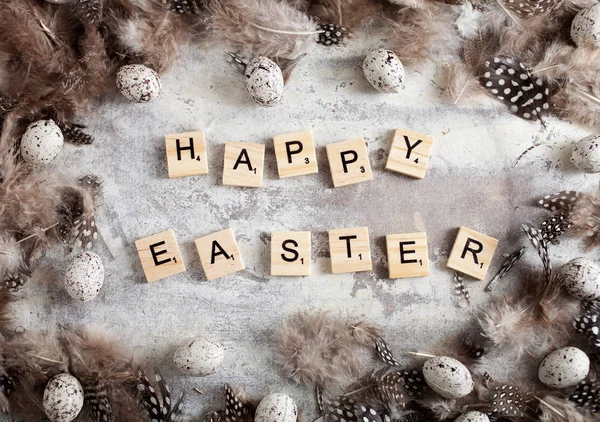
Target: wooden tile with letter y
410,153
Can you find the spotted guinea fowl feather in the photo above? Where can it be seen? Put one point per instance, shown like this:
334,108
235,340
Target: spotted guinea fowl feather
541,247
560,201
510,262
528,8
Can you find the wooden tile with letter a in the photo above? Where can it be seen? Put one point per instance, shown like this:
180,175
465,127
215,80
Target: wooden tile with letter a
407,255
349,162
219,254
295,153
410,153
350,250
472,253
160,255
243,164
290,253
186,154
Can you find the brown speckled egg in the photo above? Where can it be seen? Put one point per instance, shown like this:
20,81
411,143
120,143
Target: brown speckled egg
384,70
84,276
139,83
581,278
264,81
447,377
564,368
199,356
276,407
63,398
585,28
41,142
473,417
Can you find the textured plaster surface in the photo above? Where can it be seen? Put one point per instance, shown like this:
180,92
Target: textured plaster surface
475,179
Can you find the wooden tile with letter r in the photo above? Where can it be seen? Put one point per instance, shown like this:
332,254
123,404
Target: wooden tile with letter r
160,255
407,255
349,162
186,154
295,153
243,164
350,250
410,153
219,254
472,253
290,253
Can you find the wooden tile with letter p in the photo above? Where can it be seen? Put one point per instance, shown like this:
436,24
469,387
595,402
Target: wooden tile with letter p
186,154
295,153
349,162
410,153
243,164
290,253
160,255
407,255
219,254
350,250
472,253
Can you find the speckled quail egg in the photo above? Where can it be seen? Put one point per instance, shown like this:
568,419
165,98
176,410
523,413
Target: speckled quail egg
585,28
472,417
199,356
564,368
264,81
384,70
581,278
139,83
41,142
447,377
276,407
63,398
84,276
586,154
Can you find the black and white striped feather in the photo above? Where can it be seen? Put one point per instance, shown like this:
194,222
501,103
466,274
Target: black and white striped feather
507,265
535,236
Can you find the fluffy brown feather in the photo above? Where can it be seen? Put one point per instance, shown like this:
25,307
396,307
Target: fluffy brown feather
585,219
554,409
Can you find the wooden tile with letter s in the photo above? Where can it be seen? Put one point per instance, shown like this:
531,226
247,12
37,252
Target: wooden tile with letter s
407,255
472,253
160,255
350,250
290,253
186,154
243,164
410,153
295,153
219,254
349,162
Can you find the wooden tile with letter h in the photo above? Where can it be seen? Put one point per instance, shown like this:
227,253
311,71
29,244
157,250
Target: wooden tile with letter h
160,255
186,154
472,253
410,153
407,255
349,162
219,254
243,164
350,250
295,153
290,253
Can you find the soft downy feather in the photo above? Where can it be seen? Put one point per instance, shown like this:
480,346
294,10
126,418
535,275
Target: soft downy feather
585,219
554,409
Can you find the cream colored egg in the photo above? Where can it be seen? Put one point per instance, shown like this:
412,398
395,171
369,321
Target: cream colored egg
384,70
139,83
585,28
276,407
199,356
63,398
564,368
264,81
581,278
473,417
447,377
41,142
84,276
586,154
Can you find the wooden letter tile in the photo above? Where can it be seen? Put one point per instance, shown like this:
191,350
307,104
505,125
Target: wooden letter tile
349,162
243,164
186,154
407,255
350,250
290,253
219,254
410,153
295,153
472,253
160,255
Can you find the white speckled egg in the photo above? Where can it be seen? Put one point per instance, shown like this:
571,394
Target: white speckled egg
384,70
41,142
63,398
472,417
581,278
586,154
585,28
264,81
564,368
276,407
447,377
138,83
199,356
84,276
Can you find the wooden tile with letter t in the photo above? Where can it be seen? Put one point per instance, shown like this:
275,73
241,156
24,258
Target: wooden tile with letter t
407,255
295,153
350,251
349,162
410,153
160,255
472,253
219,254
243,164
290,253
186,154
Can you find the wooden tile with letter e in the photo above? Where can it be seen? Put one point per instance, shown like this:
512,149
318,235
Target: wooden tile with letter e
295,153
472,253
219,254
243,164
407,255
349,162
350,250
186,154
410,153
160,255
290,253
